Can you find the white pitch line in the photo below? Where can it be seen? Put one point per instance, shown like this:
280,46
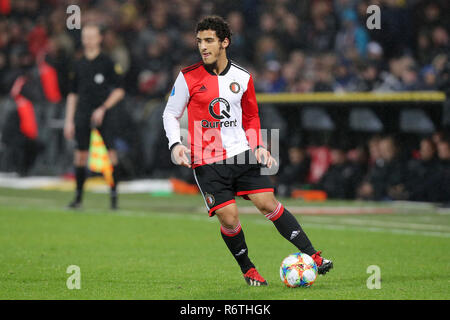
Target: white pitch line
327,210
367,229
378,223
377,229
320,222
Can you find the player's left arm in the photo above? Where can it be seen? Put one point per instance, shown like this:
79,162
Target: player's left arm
252,126
117,94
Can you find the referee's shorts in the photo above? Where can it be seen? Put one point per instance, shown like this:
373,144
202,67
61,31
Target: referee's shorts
220,182
83,128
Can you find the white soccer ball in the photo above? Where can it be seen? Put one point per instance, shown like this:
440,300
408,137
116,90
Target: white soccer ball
298,270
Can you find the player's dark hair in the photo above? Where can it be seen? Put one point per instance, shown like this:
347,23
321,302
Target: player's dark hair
217,24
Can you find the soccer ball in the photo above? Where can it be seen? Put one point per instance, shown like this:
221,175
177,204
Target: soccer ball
298,270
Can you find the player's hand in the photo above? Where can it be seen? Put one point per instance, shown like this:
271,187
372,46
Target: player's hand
97,116
179,155
264,157
69,130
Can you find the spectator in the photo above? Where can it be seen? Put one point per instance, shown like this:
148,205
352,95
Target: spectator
374,151
342,176
359,157
351,34
321,33
114,47
139,32
295,173
386,179
289,45
443,185
368,78
242,46
293,35
421,171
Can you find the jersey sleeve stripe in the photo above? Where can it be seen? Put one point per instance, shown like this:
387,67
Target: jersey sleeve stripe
190,68
239,67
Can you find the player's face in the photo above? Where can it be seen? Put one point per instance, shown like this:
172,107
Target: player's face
91,37
210,47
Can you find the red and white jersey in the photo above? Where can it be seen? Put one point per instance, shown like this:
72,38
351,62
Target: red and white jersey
223,118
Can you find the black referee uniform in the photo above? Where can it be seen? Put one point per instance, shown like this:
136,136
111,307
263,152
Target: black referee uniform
93,81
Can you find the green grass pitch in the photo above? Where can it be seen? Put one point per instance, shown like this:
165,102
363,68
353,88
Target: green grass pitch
168,248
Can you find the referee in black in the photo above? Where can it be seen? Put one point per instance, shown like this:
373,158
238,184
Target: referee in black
95,88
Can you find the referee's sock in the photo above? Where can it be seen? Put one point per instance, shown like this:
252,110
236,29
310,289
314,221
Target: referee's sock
235,241
290,229
80,177
113,192
115,175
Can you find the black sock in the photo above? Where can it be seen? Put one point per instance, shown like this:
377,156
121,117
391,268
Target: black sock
235,242
80,177
115,175
290,229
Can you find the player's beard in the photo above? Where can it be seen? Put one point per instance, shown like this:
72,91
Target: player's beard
213,65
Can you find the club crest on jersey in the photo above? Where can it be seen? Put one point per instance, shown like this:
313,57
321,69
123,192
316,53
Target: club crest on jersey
235,87
210,199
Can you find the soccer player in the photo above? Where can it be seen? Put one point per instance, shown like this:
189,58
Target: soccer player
95,88
224,130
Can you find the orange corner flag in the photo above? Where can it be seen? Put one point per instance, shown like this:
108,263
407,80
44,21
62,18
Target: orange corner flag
98,157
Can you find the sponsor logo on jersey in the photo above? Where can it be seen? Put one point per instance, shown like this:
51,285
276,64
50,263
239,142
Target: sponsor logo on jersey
224,107
235,87
224,112
173,91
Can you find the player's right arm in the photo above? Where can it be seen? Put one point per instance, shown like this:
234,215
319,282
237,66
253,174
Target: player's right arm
71,105
176,104
69,123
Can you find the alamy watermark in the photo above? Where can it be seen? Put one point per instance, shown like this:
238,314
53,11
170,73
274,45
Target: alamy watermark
74,281
374,280
374,20
208,145
74,20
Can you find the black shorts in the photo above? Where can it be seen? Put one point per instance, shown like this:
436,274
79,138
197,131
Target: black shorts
219,183
108,131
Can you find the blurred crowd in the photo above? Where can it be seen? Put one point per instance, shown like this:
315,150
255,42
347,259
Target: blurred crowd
378,170
289,45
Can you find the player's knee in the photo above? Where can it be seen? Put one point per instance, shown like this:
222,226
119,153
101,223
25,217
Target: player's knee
81,158
228,218
268,205
230,222
113,157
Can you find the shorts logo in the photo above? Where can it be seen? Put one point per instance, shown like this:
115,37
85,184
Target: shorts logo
235,87
210,199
